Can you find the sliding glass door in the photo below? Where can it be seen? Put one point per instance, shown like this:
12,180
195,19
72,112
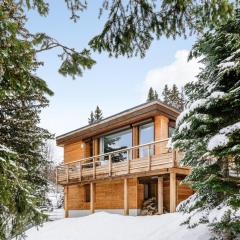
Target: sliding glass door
116,141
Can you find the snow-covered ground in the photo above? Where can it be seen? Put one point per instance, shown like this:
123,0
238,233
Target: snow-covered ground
105,226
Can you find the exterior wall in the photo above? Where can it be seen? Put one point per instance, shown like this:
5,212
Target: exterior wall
108,195
160,132
183,192
74,151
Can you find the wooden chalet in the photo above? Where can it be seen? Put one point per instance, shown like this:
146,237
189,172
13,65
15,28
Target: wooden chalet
117,163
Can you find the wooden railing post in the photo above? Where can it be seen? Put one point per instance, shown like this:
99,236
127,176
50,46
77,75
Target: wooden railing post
67,173
80,171
149,157
94,168
174,157
110,165
128,161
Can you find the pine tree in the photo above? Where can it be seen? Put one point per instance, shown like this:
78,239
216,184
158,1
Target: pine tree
173,97
91,118
152,95
98,115
165,94
208,131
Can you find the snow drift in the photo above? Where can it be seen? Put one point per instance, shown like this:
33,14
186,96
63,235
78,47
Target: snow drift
105,226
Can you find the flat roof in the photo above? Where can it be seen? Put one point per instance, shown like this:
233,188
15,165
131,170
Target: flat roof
125,117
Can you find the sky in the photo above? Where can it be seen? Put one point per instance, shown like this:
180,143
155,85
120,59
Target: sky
114,84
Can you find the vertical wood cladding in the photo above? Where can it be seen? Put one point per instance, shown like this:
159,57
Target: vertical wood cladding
160,132
183,192
74,151
108,195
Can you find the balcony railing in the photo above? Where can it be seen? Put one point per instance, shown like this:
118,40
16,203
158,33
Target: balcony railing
128,161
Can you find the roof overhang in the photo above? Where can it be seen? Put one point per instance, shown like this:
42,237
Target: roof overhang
127,117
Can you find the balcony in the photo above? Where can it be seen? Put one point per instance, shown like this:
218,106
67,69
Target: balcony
141,160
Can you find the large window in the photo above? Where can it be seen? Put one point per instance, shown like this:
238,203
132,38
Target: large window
146,135
116,141
170,131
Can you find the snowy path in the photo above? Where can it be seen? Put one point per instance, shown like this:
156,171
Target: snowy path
104,226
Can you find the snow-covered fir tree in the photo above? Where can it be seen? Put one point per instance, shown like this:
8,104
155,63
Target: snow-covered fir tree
22,96
208,131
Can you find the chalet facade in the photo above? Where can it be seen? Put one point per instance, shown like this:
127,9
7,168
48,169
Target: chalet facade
117,163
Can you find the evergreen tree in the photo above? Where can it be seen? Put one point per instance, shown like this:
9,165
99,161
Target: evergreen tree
182,100
152,95
133,25
208,131
156,95
98,115
91,118
165,94
173,97
22,96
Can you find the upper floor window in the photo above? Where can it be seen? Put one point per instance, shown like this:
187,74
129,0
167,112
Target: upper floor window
116,141
170,131
146,135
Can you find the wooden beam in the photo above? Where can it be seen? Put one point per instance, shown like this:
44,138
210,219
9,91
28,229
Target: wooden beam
66,202
183,171
128,161
126,210
160,195
135,141
173,192
174,159
92,197
149,158
110,165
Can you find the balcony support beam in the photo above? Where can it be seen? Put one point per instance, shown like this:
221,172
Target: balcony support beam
125,192
92,197
66,201
160,195
173,192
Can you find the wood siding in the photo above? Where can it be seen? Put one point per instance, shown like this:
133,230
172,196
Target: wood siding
74,151
108,195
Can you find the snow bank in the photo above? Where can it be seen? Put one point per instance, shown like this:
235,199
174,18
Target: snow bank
105,226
